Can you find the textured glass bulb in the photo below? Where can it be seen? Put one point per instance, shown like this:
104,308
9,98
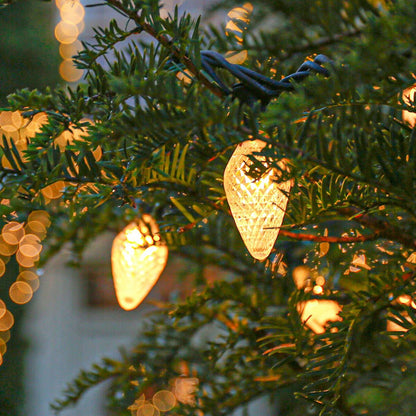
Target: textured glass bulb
258,206
138,258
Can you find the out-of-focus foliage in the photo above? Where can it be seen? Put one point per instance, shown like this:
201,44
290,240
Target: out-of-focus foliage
164,144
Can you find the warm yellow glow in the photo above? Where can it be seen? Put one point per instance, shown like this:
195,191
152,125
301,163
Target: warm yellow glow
184,389
41,216
316,313
301,275
69,72
68,50
258,206
6,321
136,265
6,249
12,232
395,327
3,308
236,57
54,190
147,409
164,400
409,97
20,292
30,278
72,12
318,290
66,32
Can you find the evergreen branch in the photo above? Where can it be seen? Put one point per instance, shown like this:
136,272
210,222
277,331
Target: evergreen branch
84,381
321,42
383,228
166,42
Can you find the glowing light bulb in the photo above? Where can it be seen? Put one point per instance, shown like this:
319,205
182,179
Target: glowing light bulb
409,97
136,264
258,206
316,313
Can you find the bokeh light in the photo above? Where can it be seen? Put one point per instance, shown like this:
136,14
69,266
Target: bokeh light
6,321
72,12
68,50
20,292
66,32
164,400
72,24
69,72
147,409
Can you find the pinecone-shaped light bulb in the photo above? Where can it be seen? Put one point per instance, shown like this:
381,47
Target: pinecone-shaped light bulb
138,258
258,206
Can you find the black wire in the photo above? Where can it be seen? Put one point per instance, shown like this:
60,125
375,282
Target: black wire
254,86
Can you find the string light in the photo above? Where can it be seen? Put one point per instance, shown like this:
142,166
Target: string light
138,257
257,205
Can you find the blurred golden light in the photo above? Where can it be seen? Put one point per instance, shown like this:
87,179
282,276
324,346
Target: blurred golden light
320,280
66,32
41,216
54,190
404,299
318,290
36,123
136,265
164,400
316,313
5,248
36,228
5,335
2,267
20,292
69,72
3,308
234,57
409,97
12,232
184,389
300,275
72,12
30,278
6,321
29,249
258,206
147,409
3,347
68,50
25,261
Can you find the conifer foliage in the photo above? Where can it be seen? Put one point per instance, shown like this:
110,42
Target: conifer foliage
166,128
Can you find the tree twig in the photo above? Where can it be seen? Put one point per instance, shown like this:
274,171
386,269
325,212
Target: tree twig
329,239
165,41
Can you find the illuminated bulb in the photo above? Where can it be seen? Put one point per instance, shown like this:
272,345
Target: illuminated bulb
258,206
316,313
136,263
409,97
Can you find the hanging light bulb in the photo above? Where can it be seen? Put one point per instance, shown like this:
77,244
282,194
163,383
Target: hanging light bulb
317,313
258,205
409,97
138,257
